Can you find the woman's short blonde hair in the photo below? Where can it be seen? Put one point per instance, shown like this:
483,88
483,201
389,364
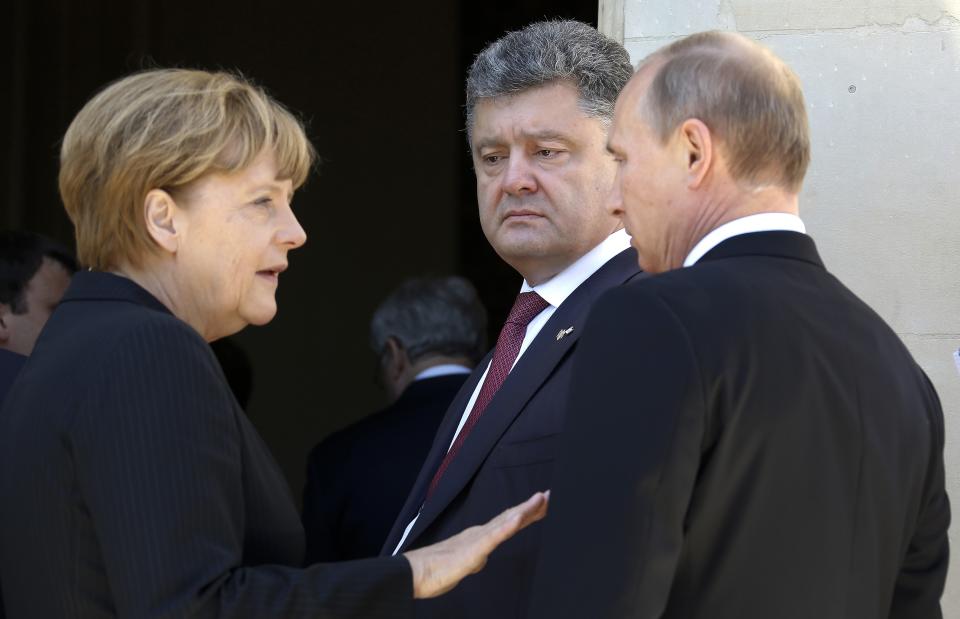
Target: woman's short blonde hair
162,129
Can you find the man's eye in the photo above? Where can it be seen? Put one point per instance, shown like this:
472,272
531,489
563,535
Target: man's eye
492,159
547,153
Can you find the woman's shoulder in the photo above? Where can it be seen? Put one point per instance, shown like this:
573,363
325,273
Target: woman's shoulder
157,335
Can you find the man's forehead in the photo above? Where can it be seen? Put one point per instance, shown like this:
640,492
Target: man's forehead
543,120
546,133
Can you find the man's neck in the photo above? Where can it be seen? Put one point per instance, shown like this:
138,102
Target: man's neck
724,207
434,360
537,273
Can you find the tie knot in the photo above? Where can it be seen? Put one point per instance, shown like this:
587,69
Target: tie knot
527,305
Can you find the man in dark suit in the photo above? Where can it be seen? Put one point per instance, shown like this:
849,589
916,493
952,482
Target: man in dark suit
538,106
428,334
34,273
746,438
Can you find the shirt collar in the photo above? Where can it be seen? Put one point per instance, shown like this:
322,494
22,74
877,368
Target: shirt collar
761,222
556,289
445,369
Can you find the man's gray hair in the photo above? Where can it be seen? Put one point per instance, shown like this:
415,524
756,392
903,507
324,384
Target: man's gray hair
550,51
432,316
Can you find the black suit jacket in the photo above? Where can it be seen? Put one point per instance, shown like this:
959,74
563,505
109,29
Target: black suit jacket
359,477
10,364
133,485
746,440
508,456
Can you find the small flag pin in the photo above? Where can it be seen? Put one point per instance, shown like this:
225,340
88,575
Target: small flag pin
562,333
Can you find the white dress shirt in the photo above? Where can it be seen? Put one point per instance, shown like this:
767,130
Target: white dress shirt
554,291
444,369
761,222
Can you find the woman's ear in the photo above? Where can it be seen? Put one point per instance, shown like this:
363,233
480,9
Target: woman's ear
160,215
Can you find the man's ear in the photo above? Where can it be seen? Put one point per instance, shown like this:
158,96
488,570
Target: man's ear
697,146
396,359
160,215
5,311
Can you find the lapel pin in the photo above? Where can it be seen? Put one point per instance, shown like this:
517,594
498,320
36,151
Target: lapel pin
562,333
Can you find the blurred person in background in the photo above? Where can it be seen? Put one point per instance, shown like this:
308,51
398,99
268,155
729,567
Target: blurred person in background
34,273
428,335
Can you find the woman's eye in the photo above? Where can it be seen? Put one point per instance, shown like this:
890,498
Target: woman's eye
266,201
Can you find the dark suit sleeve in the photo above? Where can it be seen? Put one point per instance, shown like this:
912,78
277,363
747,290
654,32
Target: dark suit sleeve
924,570
627,466
323,498
158,456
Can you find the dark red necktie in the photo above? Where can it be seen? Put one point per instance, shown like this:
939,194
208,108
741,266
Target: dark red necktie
525,308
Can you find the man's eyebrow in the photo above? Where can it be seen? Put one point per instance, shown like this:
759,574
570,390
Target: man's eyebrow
549,136
486,143
539,136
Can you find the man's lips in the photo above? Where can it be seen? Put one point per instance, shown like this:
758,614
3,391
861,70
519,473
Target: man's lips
521,214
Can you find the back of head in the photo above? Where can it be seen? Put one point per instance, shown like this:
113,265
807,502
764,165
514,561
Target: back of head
440,316
748,98
21,256
550,51
162,129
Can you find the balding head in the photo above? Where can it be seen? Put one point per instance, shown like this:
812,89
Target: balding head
750,100
710,129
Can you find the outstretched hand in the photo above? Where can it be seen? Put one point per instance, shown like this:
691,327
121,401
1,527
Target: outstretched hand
439,567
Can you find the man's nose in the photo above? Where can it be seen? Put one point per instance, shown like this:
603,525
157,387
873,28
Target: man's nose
519,178
614,201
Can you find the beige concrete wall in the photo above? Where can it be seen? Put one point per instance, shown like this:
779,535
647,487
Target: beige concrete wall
882,197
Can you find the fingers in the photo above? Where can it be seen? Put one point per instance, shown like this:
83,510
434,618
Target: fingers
439,567
512,520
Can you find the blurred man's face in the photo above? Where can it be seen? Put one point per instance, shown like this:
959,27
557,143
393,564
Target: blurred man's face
18,332
543,175
649,191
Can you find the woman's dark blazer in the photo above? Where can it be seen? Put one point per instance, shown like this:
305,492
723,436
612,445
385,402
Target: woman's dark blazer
132,485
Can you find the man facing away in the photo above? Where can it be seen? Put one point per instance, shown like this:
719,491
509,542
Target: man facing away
428,335
539,103
746,438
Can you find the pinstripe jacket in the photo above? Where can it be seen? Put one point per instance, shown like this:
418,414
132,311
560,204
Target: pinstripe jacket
132,484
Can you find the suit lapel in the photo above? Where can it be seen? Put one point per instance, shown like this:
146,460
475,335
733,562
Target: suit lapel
528,375
441,443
